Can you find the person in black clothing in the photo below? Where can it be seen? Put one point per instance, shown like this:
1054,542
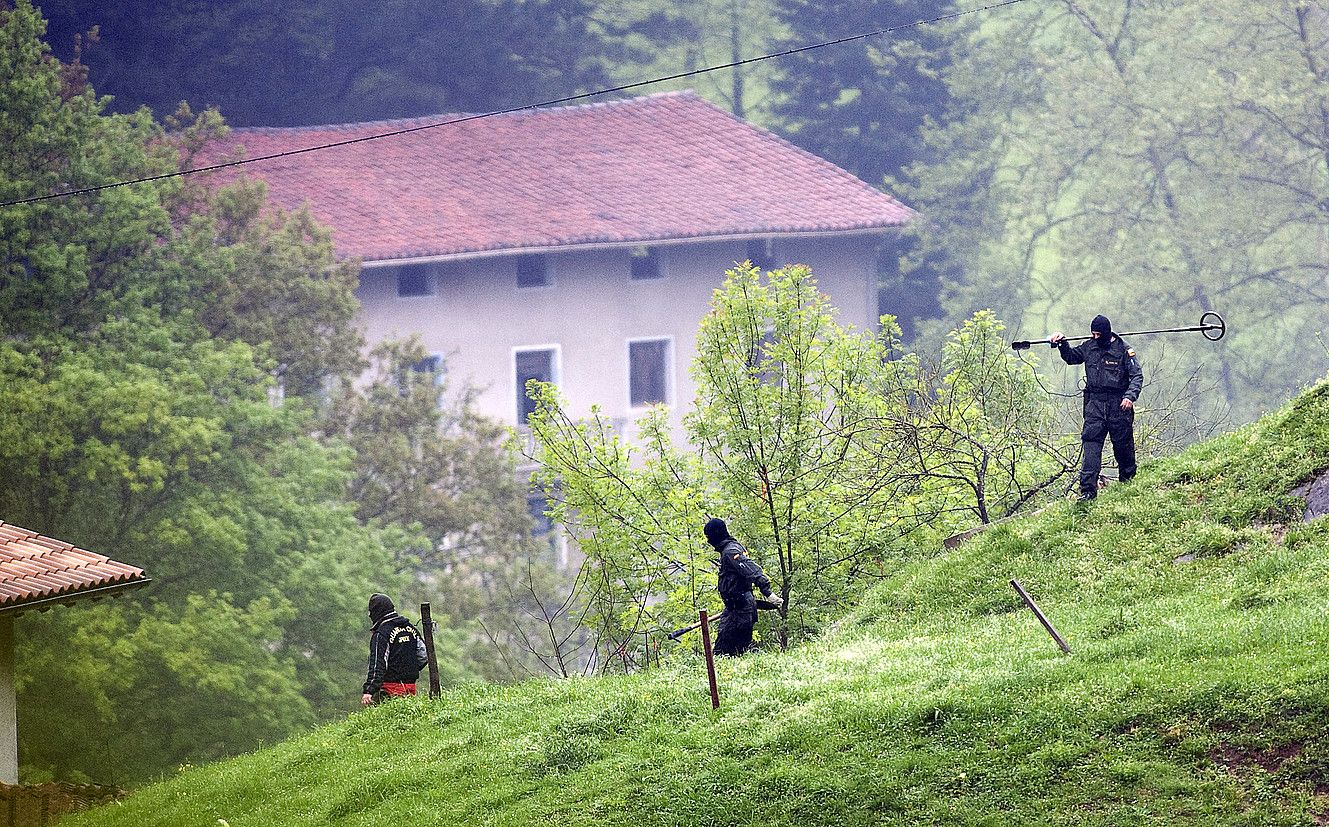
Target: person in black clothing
1113,379
738,574
396,653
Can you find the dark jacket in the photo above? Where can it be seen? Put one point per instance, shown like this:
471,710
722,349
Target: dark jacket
738,574
395,649
1110,369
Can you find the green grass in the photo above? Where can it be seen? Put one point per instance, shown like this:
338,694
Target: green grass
1197,692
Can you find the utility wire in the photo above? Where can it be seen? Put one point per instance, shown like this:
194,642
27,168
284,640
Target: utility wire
509,111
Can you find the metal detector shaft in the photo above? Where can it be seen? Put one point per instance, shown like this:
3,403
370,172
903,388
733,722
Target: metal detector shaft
762,605
1209,322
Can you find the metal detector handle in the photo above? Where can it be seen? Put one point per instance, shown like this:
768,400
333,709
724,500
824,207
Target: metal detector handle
1211,326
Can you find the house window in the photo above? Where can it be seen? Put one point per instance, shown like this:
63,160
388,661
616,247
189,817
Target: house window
772,371
533,271
536,506
415,280
542,527
432,364
645,263
532,364
648,372
761,253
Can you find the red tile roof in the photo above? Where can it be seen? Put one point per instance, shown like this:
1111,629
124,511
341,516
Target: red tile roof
649,169
39,570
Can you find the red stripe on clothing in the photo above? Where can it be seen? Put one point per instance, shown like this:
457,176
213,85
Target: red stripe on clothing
397,690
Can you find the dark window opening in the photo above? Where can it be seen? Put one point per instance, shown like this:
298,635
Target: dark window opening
531,364
645,264
771,372
533,271
413,280
761,253
648,372
536,506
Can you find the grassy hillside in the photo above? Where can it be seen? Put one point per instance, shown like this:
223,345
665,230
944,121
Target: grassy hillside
1193,599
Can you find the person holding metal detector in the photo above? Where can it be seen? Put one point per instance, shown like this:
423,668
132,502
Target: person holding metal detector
738,574
1113,379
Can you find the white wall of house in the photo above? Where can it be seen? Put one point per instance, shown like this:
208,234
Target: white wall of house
477,318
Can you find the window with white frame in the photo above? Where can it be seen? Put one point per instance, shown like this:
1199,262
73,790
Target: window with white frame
648,372
533,271
533,363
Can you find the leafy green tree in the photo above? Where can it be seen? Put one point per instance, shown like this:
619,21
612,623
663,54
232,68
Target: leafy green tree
989,436
861,104
795,445
426,459
1146,161
132,427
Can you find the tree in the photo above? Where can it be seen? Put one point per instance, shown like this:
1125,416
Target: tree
986,430
795,444
426,459
1149,162
329,61
861,105
132,427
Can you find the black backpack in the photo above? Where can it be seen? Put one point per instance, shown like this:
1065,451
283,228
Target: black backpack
406,651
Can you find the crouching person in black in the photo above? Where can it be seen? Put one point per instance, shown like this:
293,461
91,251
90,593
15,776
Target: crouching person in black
1113,379
396,653
738,574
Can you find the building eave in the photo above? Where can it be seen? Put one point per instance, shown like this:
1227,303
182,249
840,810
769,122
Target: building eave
44,603
469,255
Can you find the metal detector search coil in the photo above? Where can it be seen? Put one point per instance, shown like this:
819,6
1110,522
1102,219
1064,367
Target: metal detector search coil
1211,327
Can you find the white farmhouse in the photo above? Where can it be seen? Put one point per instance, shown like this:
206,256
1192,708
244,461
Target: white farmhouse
579,244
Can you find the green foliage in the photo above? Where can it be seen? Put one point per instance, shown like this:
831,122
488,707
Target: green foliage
145,330
860,105
425,459
1179,705
304,62
821,446
1148,162
988,428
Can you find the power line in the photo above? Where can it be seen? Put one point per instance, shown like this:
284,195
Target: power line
475,117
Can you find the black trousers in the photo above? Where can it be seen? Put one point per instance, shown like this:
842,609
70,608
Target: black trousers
735,634
1104,418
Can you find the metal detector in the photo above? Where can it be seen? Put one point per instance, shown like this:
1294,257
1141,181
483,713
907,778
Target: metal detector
1211,326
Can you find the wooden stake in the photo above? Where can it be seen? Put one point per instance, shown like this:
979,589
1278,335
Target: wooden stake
1029,601
427,623
710,659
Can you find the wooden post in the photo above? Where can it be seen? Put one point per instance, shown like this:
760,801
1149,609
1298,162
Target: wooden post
1029,601
427,624
710,659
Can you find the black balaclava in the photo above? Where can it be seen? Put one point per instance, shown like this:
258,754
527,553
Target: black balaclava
716,532
1101,324
380,606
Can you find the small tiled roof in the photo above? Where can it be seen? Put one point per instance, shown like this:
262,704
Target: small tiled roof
39,570
658,168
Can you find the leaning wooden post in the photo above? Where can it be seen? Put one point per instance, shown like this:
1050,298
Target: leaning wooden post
427,623
1029,601
710,659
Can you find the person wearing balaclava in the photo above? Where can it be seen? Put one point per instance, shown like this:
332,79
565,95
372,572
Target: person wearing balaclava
738,574
396,653
1113,379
